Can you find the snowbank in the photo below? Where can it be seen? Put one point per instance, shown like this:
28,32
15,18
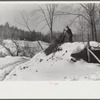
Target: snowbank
94,44
57,66
7,64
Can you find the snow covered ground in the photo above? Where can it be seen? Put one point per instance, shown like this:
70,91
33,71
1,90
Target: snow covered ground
9,44
7,64
56,66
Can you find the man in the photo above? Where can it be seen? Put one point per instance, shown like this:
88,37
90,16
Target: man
69,34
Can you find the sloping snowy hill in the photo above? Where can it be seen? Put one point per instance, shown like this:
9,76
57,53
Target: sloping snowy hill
57,66
7,64
9,44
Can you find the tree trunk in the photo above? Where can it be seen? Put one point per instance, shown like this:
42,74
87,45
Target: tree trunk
40,45
51,34
95,32
88,46
92,30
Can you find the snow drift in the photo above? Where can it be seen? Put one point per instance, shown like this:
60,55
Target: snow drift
57,66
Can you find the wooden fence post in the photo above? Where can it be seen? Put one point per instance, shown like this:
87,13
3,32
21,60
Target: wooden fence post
94,55
88,46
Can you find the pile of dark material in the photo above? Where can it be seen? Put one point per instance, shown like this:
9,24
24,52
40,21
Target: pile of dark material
53,47
83,55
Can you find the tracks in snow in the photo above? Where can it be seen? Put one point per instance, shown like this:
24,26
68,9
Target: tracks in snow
5,71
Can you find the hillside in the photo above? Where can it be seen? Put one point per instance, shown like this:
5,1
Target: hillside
33,46
57,66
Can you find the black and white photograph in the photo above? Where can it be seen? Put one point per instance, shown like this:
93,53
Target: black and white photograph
49,41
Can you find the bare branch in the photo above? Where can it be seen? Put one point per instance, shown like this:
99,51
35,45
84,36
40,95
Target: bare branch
74,20
26,22
44,15
65,13
43,27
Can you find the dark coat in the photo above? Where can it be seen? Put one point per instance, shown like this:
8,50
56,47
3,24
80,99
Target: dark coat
66,36
70,34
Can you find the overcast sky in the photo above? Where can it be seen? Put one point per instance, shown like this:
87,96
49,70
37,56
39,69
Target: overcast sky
10,12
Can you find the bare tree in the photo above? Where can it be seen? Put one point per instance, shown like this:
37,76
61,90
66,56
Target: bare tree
81,28
26,24
98,20
7,48
89,13
9,35
16,44
49,14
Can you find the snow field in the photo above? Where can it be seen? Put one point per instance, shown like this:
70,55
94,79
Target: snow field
56,66
9,44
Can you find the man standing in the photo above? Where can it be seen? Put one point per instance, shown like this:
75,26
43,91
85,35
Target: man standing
69,33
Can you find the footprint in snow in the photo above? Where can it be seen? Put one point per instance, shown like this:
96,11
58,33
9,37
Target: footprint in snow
63,54
36,70
41,60
14,74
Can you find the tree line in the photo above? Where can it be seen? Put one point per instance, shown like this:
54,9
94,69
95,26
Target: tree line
12,32
8,32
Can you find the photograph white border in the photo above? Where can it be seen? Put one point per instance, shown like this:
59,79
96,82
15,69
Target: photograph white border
50,89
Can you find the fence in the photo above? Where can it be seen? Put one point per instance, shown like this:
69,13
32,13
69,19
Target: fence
93,55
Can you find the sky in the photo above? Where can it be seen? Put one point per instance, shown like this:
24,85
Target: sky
10,12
